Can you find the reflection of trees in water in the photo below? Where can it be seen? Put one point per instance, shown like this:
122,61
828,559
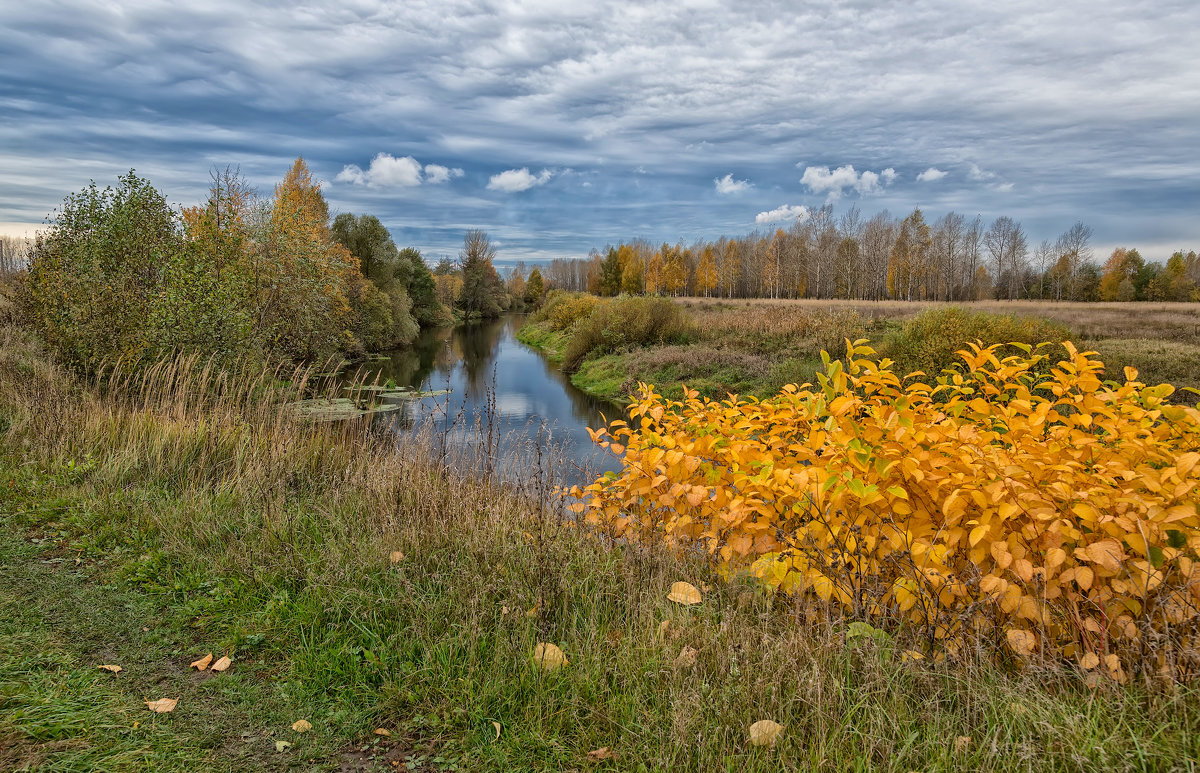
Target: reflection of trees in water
476,346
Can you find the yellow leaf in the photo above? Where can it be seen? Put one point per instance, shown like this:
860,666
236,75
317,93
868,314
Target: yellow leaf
962,743
911,656
396,557
282,746
495,725
1089,661
110,667
203,663
162,705
549,656
686,658
663,628
603,753
383,731
684,593
1107,553
1021,641
302,726
222,664
764,732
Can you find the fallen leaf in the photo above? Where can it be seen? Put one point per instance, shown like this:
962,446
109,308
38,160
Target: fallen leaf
145,629
1021,641
110,667
603,753
962,743
687,657
496,725
302,725
1088,661
383,732
282,746
504,610
203,663
764,732
396,557
912,656
663,627
162,705
536,608
549,656
684,593
222,664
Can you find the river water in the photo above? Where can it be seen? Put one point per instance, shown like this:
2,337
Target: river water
501,388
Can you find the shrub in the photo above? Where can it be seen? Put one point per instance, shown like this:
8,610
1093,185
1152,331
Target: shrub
929,342
625,321
1056,515
562,309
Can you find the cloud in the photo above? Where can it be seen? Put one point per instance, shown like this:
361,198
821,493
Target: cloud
436,173
931,175
387,171
786,212
727,184
975,173
834,184
516,180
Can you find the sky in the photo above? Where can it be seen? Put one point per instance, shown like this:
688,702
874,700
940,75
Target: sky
560,126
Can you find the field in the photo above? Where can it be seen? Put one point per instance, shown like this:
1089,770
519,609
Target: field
754,347
147,522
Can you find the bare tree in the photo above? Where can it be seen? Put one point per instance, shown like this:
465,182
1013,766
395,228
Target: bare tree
1008,248
14,254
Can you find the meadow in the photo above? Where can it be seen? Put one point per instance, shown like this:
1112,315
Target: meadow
755,347
396,606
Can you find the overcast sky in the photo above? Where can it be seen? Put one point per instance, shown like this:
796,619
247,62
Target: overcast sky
559,126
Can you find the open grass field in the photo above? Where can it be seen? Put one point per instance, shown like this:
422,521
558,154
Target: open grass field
755,347
360,587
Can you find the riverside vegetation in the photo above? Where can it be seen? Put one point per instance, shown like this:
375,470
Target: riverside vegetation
151,518
756,347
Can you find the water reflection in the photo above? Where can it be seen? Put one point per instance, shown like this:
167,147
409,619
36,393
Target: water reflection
528,395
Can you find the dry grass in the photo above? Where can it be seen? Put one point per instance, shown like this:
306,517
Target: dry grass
1178,322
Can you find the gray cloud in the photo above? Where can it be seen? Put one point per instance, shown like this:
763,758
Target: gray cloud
1045,112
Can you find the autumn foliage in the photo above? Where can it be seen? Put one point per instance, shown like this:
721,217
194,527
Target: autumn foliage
1042,509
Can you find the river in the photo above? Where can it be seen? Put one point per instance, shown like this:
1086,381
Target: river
490,374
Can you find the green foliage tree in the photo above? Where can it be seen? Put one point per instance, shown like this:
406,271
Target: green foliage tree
97,276
610,273
479,297
535,288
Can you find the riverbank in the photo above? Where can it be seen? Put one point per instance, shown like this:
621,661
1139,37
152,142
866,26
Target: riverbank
755,347
361,588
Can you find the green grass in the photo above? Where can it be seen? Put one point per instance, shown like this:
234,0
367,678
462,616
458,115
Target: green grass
218,529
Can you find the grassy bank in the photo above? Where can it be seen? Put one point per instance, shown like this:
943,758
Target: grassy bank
755,347
357,586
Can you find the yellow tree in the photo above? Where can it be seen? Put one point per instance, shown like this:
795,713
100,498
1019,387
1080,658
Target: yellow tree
674,274
706,271
654,272
306,274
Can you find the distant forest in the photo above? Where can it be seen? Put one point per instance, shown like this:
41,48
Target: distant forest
823,256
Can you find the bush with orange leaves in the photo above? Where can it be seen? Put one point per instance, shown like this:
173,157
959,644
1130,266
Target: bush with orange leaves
1052,514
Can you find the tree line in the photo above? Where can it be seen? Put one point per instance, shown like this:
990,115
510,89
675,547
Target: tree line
882,257
121,274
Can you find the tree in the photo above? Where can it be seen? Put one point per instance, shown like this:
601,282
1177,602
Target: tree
96,277
1117,279
1008,247
477,299
535,288
706,272
391,273
610,273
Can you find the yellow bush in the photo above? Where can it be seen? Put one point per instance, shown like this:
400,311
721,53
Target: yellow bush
1053,513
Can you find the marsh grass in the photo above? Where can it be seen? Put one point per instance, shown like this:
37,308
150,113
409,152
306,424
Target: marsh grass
273,539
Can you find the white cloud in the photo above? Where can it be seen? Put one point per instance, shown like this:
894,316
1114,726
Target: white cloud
786,212
387,171
436,173
834,184
975,173
930,175
727,184
515,180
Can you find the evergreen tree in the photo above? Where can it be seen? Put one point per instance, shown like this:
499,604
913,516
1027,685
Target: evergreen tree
535,287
